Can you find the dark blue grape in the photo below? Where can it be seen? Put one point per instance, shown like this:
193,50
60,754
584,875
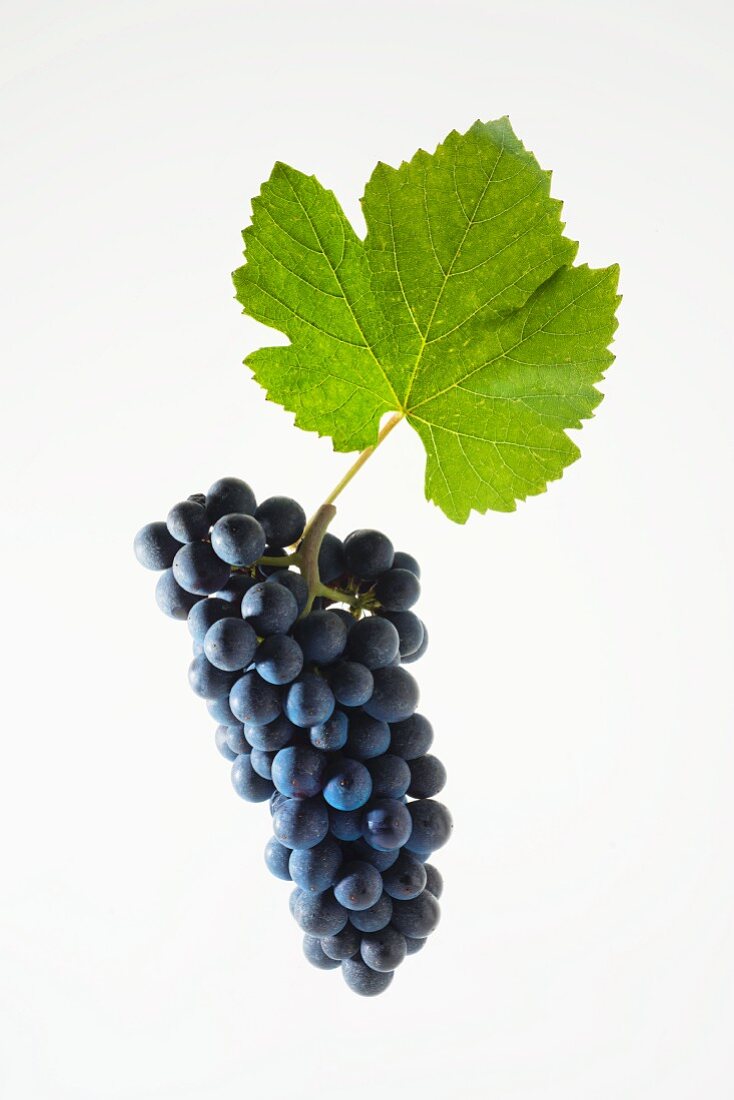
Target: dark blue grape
171,598
367,554
390,776
155,547
301,823
254,701
411,738
262,762
247,783
322,636
417,917
220,740
395,695
410,657
432,825
363,980
314,953
351,683
397,590
406,561
270,608
205,613
279,659
310,700
373,642
358,885
344,945
187,521
198,569
209,682
320,914
228,495
272,736
427,777
298,771
282,520
434,880
294,582
376,917
348,785
384,950
381,860
410,630
235,588
413,946
386,824
331,558
236,740
276,859
367,736
345,824
230,644
331,735
238,539
198,498
221,712
315,869
406,878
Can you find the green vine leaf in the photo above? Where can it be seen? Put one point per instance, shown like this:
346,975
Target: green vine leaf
461,310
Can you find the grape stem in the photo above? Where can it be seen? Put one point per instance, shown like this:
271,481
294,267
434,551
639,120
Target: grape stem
308,551
306,556
360,461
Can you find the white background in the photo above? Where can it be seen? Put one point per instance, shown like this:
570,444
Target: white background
580,672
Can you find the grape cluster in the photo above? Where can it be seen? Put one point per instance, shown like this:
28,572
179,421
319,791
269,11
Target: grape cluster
316,713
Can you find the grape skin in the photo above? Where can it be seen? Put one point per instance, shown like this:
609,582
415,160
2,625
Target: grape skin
363,980
374,919
155,547
228,495
358,886
198,569
238,539
230,644
368,553
427,776
279,659
269,608
383,951
282,520
352,683
397,590
187,521
348,785
373,642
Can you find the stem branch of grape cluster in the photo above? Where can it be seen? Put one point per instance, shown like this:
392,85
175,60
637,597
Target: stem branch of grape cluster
308,551
306,557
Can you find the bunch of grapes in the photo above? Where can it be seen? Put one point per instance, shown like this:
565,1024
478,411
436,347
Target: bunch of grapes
301,667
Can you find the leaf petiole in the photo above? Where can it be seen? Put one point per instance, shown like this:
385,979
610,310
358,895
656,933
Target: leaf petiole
366,453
